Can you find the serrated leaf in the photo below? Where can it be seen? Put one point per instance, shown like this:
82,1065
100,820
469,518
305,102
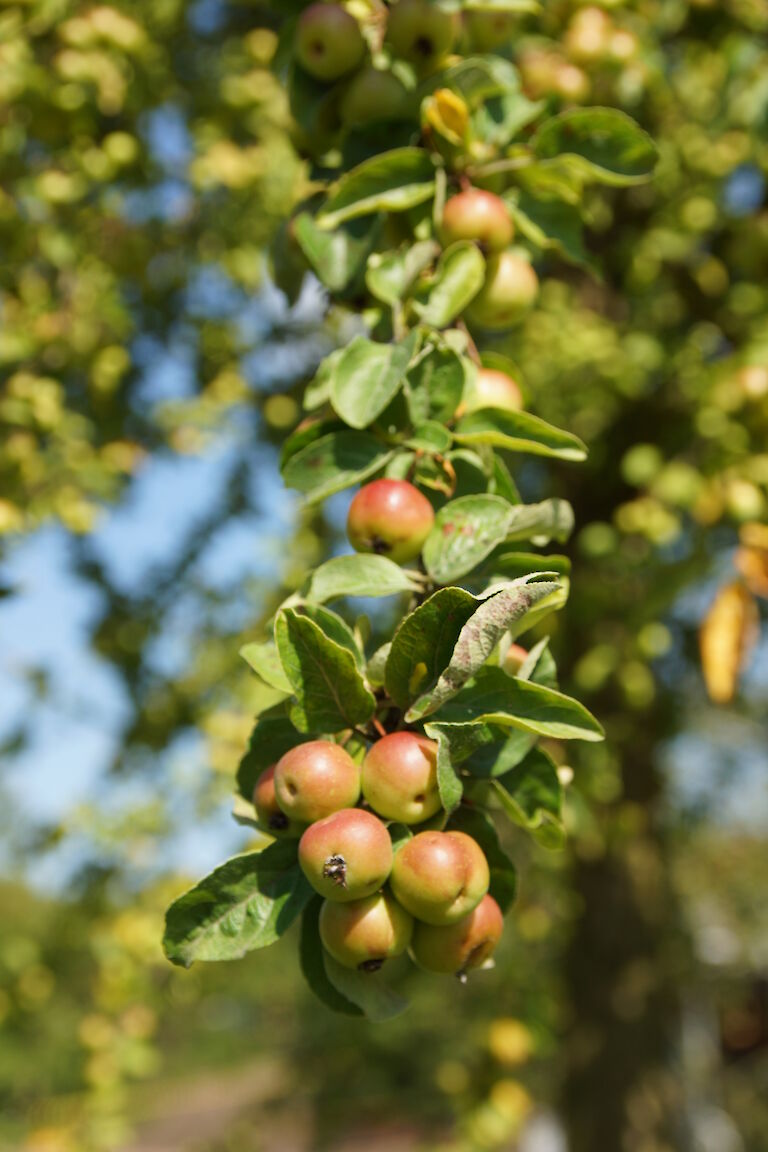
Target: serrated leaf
459,276
518,432
503,886
330,691
478,637
334,462
532,795
495,698
247,903
424,642
358,575
312,959
465,532
390,275
264,660
389,182
366,377
368,990
603,143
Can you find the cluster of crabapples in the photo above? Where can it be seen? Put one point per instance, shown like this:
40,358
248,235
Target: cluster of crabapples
430,894
331,48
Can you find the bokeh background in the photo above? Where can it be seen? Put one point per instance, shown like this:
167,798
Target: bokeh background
149,370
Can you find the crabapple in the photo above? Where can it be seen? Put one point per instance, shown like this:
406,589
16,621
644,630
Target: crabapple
373,97
315,779
390,518
365,933
421,32
491,389
515,658
439,877
488,30
346,856
329,42
479,216
269,811
510,288
399,777
461,946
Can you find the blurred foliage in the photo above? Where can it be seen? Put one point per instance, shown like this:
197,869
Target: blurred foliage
144,146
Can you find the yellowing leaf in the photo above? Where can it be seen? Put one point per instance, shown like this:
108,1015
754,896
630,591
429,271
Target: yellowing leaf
727,635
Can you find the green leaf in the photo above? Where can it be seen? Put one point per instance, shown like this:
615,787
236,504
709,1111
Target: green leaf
449,783
335,257
247,903
334,627
334,462
430,437
604,144
424,642
272,736
313,429
532,796
316,394
377,664
493,617
495,698
476,79
366,378
368,990
465,532
501,118
435,385
264,660
549,520
503,886
508,565
312,959
390,275
399,834
518,432
358,575
458,278
550,223
330,690
390,182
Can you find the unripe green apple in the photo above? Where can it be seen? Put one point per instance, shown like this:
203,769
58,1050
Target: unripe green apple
421,32
315,779
462,946
390,518
365,933
439,877
515,658
269,811
488,30
399,777
346,856
373,97
510,288
329,43
491,389
479,216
